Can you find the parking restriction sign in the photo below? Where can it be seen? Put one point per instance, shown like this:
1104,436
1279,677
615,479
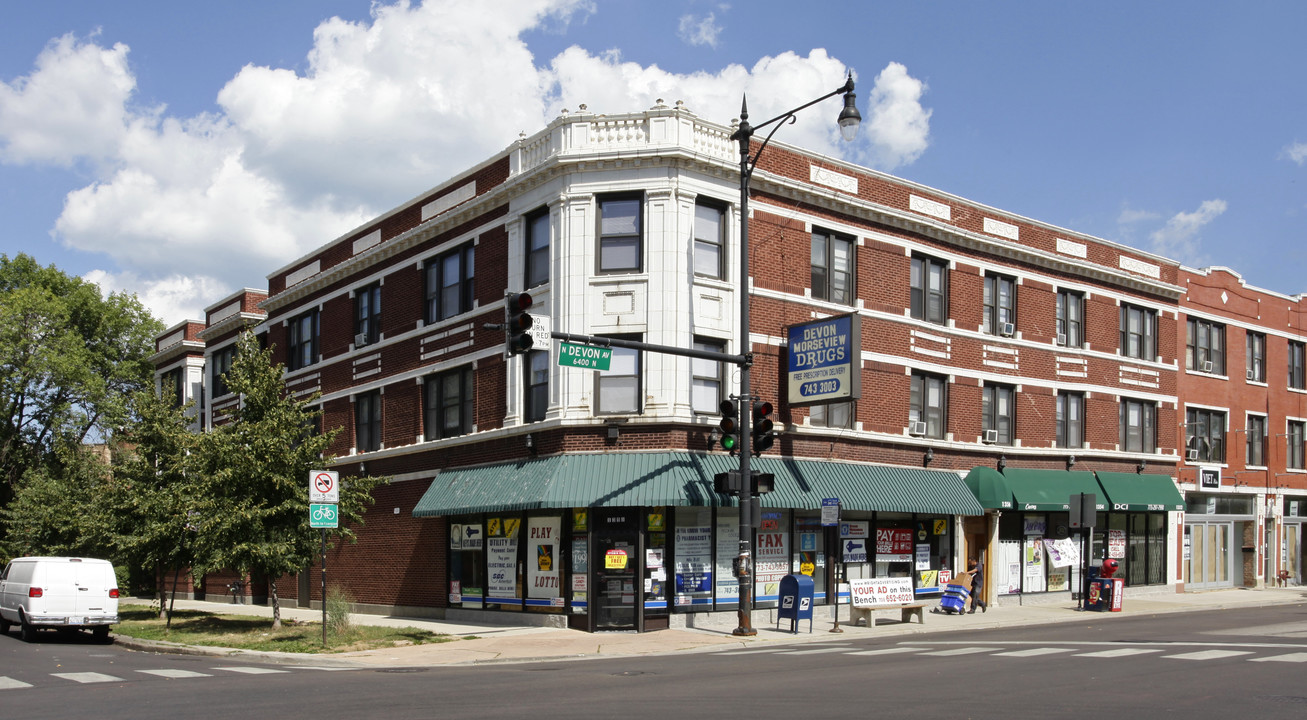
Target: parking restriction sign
324,486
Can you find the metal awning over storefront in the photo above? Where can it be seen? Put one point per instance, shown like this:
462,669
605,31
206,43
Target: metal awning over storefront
1050,490
990,488
686,479
1140,492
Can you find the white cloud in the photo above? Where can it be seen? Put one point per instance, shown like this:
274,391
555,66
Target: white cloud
1179,238
384,109
699,30
1130,216
1297,152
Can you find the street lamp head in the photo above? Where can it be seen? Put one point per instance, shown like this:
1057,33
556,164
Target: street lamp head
850,118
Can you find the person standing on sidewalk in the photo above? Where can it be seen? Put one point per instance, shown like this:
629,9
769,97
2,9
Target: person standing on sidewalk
977,572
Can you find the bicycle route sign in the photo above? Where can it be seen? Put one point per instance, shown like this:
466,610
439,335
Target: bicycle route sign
324,486
323,515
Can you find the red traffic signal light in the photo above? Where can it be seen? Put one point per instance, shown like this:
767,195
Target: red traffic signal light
763,437
519,323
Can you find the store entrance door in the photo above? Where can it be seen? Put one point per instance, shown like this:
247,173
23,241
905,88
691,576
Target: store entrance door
617,569
1209,556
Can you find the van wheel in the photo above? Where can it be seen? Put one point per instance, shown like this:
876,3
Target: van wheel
100,633
27,631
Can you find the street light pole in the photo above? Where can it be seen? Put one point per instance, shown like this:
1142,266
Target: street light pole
849,120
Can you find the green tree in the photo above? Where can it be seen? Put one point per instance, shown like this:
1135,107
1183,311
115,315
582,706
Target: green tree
55,509
253,504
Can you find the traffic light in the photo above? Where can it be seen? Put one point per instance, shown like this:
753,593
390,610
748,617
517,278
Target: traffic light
763,437
729,428
519,323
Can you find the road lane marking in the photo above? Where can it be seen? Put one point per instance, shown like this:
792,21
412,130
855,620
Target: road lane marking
1208,655
1120,652
963,651
1291,657
177,674
817,651
87,677
1034,652
8,683
250,670
890,651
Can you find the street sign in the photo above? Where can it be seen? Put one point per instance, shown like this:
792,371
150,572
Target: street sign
540,337
830,512
584,356
323,516
324,486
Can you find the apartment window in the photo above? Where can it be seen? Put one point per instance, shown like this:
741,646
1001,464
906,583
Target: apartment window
997,414
537,386
1205,349
619,234
1070,420
171,382
302,341
219,364
1296,379
832,268
1000,305
929,281
1138,426
367,421
706,392
832,415
1294,439
367,315
1204,435
1255,430
618,388
709,241
928,404
1071,318
1255,357
448,399
1138,332
449,283
537,248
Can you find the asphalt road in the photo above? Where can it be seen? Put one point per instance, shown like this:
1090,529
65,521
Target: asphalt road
1228,663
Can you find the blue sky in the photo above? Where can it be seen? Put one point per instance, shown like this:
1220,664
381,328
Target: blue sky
184,150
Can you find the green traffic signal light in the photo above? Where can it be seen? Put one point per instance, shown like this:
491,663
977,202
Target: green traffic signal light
729,442
727,427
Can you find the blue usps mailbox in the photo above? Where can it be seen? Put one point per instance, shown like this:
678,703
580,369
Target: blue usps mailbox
796,601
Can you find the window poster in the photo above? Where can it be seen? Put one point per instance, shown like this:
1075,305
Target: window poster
501,568
1033,557
542,553
1116,544
772,555
728,548
894,545
693,553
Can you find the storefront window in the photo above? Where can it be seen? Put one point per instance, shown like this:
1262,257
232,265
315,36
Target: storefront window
771,557
503,585
810,551
466,563
895,546
655,563
728,548
692,582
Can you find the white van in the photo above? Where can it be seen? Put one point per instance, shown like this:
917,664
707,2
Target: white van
58,592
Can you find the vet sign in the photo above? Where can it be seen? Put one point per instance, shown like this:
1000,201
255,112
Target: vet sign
824,361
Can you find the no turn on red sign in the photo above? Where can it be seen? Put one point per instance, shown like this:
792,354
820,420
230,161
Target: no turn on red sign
324,486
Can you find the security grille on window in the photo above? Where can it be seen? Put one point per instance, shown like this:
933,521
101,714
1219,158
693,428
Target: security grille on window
928,404
448,399
537,386
1000,305
997,414
832,268
367,315
1070,318
1296,379
929,289
620,241
1138,426
1255,357
1070,420
450,283
302,341
706,392
367,422
1138,332
709,241
1205,348
220,363
537,248
1256,443
1205,435
618,387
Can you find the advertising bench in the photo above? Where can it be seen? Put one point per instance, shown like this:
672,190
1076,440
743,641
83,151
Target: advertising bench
871,595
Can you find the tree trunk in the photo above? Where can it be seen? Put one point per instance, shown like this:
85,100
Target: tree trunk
161,578
276,605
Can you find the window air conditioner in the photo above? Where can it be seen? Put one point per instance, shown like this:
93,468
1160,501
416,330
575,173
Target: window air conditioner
1207,366
1191,455
1250,374
1007,329
917,428
1061,339
360,340
991,437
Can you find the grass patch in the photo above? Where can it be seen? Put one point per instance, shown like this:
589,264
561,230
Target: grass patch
247,632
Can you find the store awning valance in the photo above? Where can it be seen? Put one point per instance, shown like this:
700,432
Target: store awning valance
1140,492
686,479
1050,490
990,488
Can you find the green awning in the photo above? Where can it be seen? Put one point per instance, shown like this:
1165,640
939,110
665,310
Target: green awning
990,488
1051,489
686,479
1140,492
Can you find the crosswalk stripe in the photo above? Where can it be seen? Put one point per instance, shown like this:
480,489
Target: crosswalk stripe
1034,652
759,651
818,651
1208,655
962,651
87,677
8,683
323,668
177,674
1291,657
888,651
1120,652
251,670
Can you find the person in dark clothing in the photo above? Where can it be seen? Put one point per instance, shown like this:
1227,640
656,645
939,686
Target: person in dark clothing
977,572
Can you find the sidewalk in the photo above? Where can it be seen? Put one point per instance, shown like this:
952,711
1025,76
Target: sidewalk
512,643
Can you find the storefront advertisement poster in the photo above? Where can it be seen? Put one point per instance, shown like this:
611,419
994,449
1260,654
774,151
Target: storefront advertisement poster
854,550
923,557
1116,544
873,592
501,567
728,548
855,529
773,562
1062,553
1035,526
542,569
894,545
693,560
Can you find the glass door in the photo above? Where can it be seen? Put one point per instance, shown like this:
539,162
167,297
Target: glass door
1209,562
617,569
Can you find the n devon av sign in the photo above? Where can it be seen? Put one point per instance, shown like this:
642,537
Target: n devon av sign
824,361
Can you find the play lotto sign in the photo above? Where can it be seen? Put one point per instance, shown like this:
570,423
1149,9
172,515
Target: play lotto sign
584,356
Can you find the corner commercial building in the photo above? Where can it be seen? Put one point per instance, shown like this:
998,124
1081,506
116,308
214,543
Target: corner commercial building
1005,364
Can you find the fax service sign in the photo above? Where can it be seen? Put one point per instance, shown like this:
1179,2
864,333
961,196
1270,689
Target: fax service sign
824,361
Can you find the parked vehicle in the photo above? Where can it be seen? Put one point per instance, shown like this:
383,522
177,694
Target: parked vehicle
58,592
